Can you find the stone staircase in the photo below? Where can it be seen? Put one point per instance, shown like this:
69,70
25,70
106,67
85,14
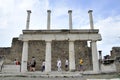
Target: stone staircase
11,68
1,64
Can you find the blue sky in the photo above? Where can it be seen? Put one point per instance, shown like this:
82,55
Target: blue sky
106,15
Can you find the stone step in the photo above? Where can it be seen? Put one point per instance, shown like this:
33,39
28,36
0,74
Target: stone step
103,79
11,68
41,74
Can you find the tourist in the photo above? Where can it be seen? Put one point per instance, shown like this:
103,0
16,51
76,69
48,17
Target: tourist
16,62
43,66
66,64
59,64
81,64
32,64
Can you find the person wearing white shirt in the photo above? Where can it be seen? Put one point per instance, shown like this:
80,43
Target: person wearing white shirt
59,64
66,64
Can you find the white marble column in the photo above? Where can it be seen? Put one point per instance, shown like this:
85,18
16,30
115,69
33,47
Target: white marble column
48,57
91,19
95,57
70,19
24,57
48,19
28,19
71,56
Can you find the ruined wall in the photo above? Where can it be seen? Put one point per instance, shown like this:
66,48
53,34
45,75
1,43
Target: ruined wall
60,49
115,52
84,52
4,51
37,49
13,52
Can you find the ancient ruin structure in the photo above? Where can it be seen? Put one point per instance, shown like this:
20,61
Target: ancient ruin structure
110,62
50,44
69,36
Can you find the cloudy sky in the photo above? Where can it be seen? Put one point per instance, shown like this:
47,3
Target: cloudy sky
106,15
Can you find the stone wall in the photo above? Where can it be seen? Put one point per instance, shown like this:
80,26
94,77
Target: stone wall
115,52
37,49
4,52
115,56
14,52
60,49
16,49
84,52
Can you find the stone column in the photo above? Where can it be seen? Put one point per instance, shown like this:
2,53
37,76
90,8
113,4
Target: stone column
48,19
100,55
91,19
95,57
24,57
48,57
28,19
71,56
70,19
100,59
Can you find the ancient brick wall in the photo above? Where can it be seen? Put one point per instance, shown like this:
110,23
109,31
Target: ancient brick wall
84,52
115,52
4,51
13,52
37,49
60,49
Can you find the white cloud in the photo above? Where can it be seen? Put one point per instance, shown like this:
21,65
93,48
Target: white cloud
110,31
13,20
13,17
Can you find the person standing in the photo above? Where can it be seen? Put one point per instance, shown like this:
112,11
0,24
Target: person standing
59,64
43,66
81,64
66,64
32,64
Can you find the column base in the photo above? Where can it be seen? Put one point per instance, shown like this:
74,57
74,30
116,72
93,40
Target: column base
91,72
72,70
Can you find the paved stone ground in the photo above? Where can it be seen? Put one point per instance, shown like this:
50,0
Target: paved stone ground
83,77
38,78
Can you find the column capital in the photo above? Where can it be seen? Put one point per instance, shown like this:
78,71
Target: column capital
93,40
71,40
100,51
29,11
48,40
49,11
25,40
90,11
69,11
